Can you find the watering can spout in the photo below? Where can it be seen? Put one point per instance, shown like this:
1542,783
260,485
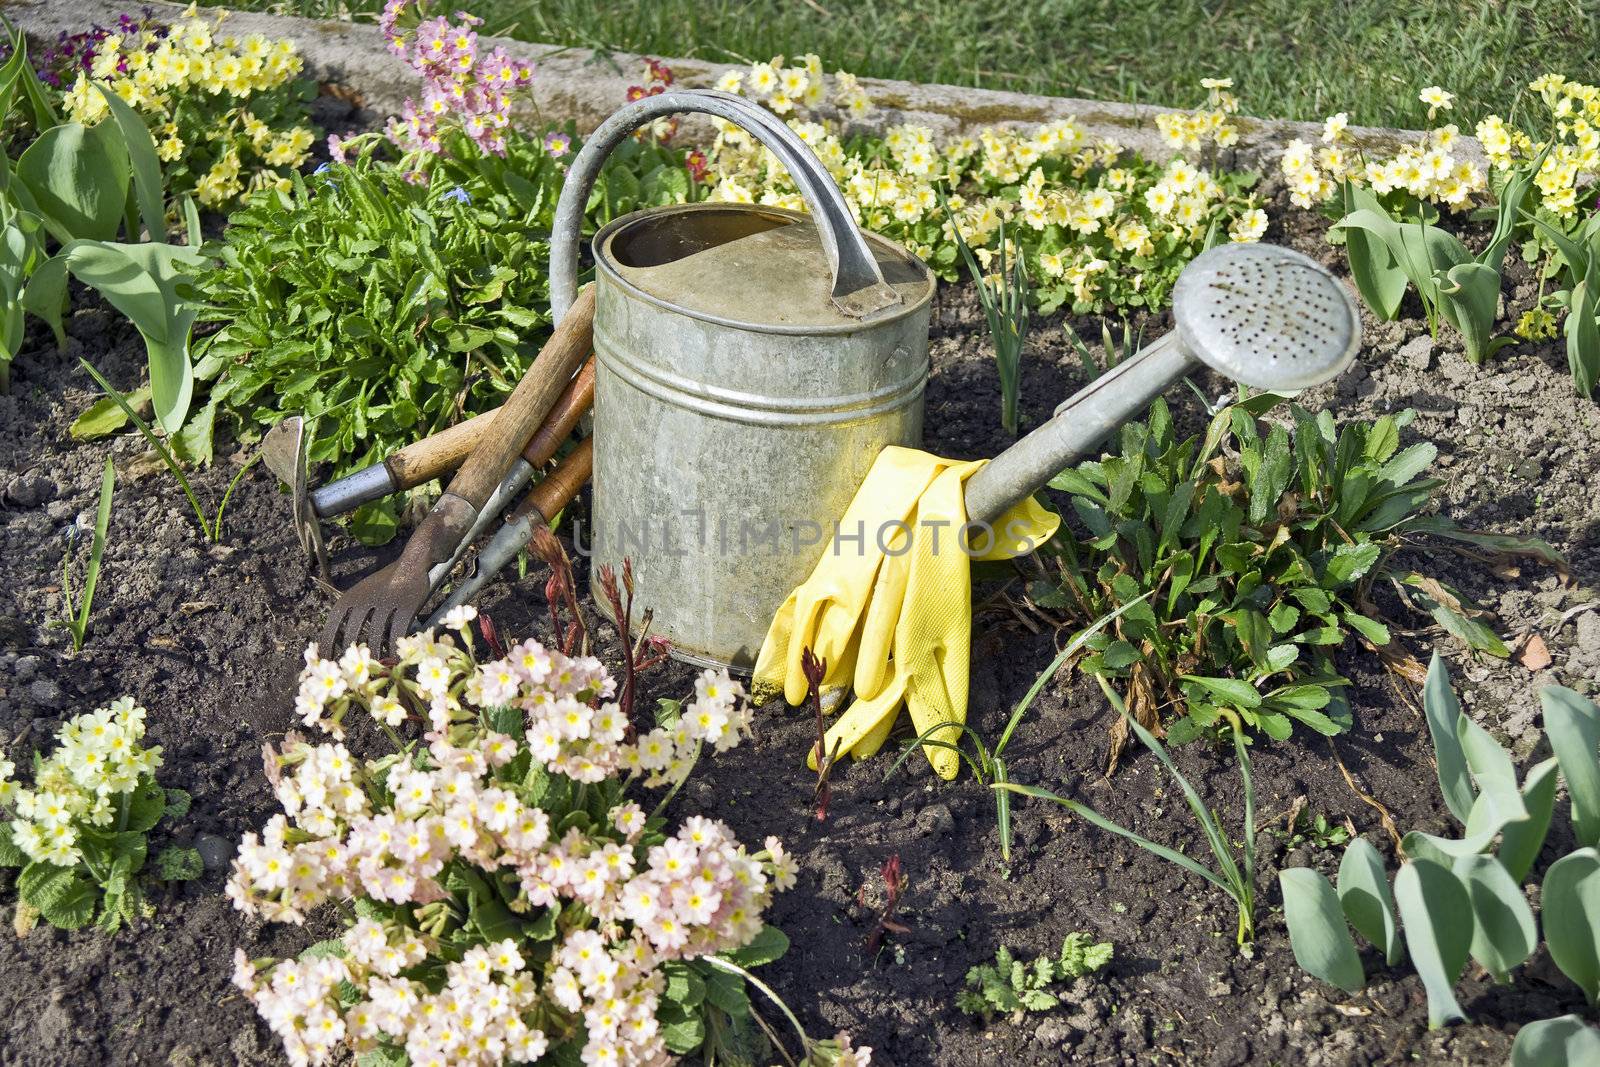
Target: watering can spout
1266,316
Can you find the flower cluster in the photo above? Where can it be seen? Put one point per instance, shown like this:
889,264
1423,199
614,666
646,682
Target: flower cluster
1428,171
1097,228
467,88
225,111
83,785
658,78
1192,131
512,899
785,88
1573,162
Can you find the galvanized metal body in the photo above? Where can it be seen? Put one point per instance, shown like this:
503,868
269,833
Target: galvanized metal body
751,364
726,451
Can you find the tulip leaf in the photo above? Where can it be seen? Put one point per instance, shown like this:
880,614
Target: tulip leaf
1565,1039
78,177
1366,900
1442,710
1571,909
1436,912
1573,726
1317,932
1521,842
1503,931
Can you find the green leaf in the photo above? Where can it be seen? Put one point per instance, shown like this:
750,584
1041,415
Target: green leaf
142,282
332,948
1271,477
78,177
1371,629
1469,297
1234,692
683,1035
105,416
175,864
1081,955
62,896
1378,278
1436,912
10,854
178,802
1521,842
145,166
768,945
383,1056
1566,1039
1443,711
1366,900
146,804
1573,726
1570,905
1503,931
1317,932
726,991
1351,562
685,986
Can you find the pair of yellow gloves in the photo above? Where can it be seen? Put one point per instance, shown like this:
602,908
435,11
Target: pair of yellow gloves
891,613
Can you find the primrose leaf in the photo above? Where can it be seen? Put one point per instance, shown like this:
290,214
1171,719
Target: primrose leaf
146,804
1317,933
175,864
61,895
768,945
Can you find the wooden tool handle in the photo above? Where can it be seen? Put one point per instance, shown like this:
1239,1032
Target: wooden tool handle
563,418
556,489
442,453
430,457
528,404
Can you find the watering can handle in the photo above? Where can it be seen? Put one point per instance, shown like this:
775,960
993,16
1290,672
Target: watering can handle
858,285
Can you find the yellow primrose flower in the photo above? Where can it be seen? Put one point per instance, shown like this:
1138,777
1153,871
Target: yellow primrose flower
1435,97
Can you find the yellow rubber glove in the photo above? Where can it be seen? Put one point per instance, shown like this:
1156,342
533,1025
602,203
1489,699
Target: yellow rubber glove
892,614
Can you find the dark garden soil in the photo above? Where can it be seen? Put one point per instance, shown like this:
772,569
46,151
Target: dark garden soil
209,639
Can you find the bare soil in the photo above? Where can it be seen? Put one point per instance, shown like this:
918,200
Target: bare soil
209,638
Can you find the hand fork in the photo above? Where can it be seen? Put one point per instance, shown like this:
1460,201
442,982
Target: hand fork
385,604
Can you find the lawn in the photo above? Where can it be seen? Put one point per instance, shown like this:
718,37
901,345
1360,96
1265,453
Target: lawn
1289,59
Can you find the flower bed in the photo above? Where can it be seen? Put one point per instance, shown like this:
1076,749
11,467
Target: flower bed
909,883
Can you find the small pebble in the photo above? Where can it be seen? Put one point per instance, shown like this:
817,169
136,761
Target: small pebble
935,820
47,694
215,852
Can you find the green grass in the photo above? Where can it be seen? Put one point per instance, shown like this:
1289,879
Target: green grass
1289,58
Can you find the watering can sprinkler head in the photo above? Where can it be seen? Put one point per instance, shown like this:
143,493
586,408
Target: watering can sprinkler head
1264,315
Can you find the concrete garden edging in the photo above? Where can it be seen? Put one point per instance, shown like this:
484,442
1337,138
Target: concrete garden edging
586,86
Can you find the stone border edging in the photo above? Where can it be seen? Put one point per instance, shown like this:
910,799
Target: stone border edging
585,86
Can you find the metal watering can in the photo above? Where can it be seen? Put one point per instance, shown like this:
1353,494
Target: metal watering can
746,383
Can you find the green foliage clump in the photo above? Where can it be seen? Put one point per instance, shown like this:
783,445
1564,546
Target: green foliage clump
1256,546
1010,986
388,309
